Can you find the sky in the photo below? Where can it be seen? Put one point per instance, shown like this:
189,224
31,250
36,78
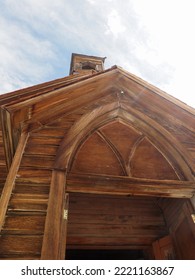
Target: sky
153,39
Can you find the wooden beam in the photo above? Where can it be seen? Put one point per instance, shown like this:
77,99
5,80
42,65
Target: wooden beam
119,185
10,181
55,225
7,135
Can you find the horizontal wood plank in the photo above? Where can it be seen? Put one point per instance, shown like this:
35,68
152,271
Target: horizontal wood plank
28,202
26,224
106,218
112,241
24,245
129,186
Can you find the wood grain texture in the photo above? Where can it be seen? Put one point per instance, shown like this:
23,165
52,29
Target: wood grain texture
96,221
54,221
101,153
161,139
90,183
185,240
10,181
3,166
177,213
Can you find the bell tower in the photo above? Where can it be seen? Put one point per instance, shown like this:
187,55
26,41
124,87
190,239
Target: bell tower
86,64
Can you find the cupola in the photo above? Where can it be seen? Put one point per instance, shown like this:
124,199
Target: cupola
86,64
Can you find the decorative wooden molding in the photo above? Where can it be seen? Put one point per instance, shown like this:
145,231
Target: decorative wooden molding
54,239
119,185
162,139
10,181
81,130
114,150
136,144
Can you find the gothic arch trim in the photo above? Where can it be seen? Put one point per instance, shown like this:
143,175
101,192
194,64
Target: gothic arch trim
162,139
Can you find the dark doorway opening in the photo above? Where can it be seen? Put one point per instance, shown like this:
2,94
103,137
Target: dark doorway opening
105,255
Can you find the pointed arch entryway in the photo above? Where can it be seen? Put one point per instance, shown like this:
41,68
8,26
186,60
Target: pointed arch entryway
115,151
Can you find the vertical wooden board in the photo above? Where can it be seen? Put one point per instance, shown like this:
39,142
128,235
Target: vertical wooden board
55,211
3,166
156,250
185,240
163,249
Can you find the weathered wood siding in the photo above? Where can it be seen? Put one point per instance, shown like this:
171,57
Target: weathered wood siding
112,222
177,213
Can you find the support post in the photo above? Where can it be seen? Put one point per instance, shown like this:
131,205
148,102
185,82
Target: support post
54,239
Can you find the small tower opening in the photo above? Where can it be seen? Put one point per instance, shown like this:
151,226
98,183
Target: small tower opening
85,64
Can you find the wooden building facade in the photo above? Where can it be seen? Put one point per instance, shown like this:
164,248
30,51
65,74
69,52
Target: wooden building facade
97,161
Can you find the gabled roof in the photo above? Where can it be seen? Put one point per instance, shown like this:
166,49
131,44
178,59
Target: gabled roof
112,77
43,88
36,106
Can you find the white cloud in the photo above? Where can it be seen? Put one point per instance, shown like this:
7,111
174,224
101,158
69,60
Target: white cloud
169,26
152,39
114,23
92,1
23,56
